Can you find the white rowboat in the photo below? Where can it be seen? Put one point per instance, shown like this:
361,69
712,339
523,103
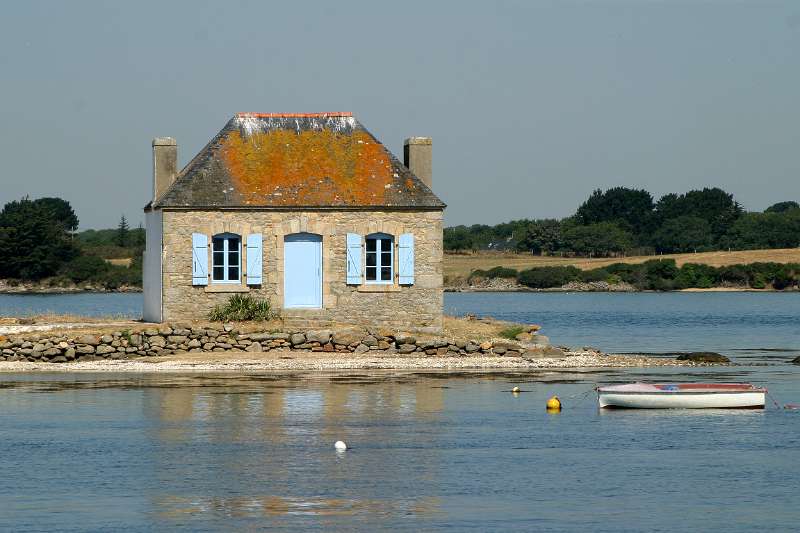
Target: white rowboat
683,396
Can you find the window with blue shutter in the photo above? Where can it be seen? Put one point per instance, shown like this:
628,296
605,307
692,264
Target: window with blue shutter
353,259
199,259
226,258
379,264
254,259
405,259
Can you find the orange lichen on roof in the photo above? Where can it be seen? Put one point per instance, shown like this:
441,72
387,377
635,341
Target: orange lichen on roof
296,115
310,167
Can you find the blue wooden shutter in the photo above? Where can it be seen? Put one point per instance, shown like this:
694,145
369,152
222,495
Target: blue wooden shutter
199,259
353,259
405,259
254,259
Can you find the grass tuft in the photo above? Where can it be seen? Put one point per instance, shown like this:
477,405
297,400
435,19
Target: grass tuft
241,308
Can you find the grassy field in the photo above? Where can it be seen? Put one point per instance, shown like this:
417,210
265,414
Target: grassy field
460,266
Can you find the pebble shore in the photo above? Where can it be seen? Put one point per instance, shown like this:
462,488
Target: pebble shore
292,360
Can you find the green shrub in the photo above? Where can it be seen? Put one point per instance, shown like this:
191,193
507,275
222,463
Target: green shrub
548,277
502,272
512,332
594,275
242,308
697,275
86,268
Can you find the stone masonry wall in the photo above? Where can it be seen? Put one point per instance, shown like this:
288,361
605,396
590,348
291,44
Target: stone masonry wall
168,339
417,307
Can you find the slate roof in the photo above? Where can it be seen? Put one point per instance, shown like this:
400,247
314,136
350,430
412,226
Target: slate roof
319,160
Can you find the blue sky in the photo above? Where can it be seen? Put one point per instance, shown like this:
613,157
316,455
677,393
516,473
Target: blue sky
531,105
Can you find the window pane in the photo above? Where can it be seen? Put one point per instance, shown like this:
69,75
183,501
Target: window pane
371,245
371,273
386,259
372,257
386,245
219,273
386,273
233,243
233,273
219,244
219,257
233,258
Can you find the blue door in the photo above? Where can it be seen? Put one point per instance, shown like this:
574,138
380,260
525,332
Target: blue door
302,271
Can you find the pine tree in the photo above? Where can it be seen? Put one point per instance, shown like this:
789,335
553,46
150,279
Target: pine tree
122,232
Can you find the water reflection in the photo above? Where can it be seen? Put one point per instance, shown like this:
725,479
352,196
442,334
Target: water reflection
245,434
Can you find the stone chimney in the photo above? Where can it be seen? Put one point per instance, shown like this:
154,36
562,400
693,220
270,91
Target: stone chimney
417,157
165,164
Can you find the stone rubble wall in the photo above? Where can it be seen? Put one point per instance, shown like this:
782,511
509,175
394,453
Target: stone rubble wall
167,339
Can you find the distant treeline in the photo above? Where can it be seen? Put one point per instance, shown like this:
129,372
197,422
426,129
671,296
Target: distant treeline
656,274
628,221
38,241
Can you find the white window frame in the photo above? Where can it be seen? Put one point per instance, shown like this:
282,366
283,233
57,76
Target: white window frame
226,239
379,238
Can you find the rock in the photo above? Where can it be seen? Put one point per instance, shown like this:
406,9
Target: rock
383,345
158,341
103,349
322,336
223,345
194,343
539,340
253,347
533,328
91,340
407,348
165,331
361,348
524,337
404,338
499,350
177,339
544,352
506,345
297,338
442,350
51,352
485,346
106,339
258,337
384,332
228,327
84,348
369,340
348,336
58,359
703,357
471,348
208,346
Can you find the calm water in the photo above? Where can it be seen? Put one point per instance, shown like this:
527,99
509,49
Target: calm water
220,452
128,305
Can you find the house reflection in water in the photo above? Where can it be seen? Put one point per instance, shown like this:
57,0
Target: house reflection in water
254,447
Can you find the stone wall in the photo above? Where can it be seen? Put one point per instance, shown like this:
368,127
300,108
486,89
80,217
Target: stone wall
168,339
416,307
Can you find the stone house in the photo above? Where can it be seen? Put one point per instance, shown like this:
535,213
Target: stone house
308,210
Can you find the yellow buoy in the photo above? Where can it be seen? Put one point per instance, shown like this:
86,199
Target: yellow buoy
554,404
515,390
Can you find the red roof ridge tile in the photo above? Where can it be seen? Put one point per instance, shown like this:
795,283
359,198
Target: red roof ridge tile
296,115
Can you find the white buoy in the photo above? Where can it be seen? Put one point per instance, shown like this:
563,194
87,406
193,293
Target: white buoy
340,446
